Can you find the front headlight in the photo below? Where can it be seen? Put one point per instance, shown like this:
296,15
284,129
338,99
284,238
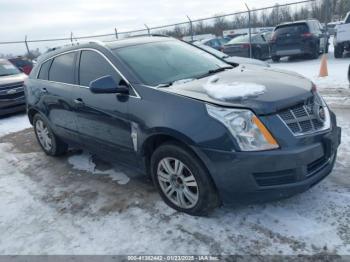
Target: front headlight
249,132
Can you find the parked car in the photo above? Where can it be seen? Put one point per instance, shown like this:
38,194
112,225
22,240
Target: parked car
240,46
216,43
11,88
174,112
299,38
342,37
22,64
232,60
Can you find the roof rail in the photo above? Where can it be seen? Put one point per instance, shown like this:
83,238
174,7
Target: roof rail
159,35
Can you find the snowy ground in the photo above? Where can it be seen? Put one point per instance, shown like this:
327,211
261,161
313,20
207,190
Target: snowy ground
78,204
337,69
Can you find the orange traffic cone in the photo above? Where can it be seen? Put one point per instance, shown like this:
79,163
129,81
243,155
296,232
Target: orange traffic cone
324,67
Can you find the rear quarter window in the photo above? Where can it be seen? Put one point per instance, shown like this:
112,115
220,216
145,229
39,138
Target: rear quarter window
44,70
62,68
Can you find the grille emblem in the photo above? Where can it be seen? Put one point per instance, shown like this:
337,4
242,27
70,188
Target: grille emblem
12,91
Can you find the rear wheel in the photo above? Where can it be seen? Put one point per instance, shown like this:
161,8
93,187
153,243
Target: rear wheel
276,59
315,52
338,51
48,141
182,181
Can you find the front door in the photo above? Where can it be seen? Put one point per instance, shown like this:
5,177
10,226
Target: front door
102,119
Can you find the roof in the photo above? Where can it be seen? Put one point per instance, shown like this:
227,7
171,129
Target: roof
131,41
137,40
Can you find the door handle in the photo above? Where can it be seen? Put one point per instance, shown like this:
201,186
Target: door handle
78,101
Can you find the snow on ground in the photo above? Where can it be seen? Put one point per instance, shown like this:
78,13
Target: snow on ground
337,69
13,124
59,206
85,162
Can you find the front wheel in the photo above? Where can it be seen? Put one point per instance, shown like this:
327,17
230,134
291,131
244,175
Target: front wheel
276,59
182,181
48,141
338,51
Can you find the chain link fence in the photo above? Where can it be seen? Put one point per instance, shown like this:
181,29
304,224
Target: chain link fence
249,19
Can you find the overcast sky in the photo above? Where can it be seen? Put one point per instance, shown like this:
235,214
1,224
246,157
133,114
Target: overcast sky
47,19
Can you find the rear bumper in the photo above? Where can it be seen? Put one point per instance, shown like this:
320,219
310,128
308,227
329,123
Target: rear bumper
12,106
251,177
289,50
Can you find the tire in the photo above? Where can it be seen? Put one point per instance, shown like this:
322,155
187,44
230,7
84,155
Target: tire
338,51
48,141
257,54
315,52
197,196
276,59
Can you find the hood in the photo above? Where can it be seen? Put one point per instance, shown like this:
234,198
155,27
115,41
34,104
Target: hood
244,60
282,89
12,79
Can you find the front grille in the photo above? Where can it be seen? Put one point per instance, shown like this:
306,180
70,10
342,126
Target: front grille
301,119
11,96
275,178
11,86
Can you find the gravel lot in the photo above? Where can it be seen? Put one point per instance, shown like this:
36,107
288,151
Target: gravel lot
78,204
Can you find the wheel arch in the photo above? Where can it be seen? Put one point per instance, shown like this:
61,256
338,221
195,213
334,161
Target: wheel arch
157,139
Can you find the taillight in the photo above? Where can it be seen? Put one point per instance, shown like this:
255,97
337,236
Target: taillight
273,38
307,35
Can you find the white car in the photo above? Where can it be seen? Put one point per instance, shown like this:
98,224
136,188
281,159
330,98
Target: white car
231,59
342,37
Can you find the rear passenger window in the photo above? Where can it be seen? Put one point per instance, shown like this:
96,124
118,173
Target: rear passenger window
93,66
44,70
62,69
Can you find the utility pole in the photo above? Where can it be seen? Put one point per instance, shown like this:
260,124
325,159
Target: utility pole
250,32
116,33
27,47
191,27
148,29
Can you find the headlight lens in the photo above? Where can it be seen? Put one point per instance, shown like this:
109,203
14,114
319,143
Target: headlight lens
249,132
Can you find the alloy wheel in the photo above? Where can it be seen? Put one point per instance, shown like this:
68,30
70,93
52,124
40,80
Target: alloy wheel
178,183
43,134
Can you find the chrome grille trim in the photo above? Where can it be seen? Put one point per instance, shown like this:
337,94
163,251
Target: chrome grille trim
301,119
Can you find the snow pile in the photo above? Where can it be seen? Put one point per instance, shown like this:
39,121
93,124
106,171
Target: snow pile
13,124
84,162
233,90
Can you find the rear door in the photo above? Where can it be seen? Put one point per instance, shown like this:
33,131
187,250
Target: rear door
57,92
102,119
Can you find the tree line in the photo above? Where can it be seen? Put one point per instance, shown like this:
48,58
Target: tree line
323,10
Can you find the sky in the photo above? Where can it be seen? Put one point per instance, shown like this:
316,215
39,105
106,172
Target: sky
40,19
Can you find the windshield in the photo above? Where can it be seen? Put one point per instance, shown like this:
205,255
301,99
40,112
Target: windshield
243,39
6,68
211,50
167,61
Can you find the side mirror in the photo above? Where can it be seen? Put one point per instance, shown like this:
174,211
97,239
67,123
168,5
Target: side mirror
107,85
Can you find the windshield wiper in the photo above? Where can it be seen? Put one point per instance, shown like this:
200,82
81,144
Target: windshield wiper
5,75
214,71
180,81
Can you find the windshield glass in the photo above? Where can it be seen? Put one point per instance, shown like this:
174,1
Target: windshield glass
243,39
167,61
6,68
211,50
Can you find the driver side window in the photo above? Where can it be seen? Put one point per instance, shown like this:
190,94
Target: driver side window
93,66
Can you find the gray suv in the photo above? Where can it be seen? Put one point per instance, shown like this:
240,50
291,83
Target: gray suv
11,88
297,39
205,131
